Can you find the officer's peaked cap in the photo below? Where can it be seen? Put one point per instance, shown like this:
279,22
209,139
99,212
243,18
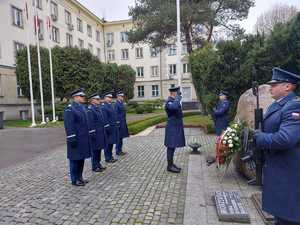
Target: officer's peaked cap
224,93
282,76
94,96
120,93
174,89
78,92
108,94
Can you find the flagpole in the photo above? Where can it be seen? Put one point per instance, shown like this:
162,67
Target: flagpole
39,61
33,123
178,43
51,67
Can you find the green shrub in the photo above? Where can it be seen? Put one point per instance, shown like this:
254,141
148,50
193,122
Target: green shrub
149,108
144,124
132,104
139,110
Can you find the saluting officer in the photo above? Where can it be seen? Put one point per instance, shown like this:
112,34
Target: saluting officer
99,123
112,132
121,116
220,113
174,134
78,134
280,143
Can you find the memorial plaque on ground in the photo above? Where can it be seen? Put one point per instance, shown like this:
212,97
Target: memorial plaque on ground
230,207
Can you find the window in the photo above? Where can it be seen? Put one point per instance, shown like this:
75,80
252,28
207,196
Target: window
124,36
141,92
140,71
110,39
79,25
186,68
172,85
98,36
154,52
184,49
172,69
1,90
90,47
125,54
155,91
99,53
89,30
41,29
38,3
139,53
69,40
54,11
68,18
18,46
80,43
154,71
172,49
55,34
17,17
111,55
19,91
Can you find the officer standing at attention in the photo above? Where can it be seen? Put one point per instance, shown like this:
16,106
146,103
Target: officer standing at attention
112,132
220,113
121,116
79,134
99,123
174,133
280,143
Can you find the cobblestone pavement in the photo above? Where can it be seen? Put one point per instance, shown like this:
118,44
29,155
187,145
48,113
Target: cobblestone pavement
135,190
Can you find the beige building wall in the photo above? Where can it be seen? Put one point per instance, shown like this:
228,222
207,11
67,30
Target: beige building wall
17,36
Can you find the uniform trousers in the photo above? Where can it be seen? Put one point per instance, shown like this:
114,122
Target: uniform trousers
96,158
170,154
119,146
280,221
108,152
76,170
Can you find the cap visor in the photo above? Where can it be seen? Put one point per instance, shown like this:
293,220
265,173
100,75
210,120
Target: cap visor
274,82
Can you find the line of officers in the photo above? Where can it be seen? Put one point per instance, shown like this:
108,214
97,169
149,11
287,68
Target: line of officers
91,128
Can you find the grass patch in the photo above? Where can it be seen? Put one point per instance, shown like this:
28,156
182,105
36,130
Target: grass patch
27,123
140,125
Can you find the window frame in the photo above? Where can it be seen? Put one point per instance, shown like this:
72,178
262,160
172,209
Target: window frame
155,91
13,14
140,73
56,30
89,31
127,54
139,53
111,53
157,71
141,89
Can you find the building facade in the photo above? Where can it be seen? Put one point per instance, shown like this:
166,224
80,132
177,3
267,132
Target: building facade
74,25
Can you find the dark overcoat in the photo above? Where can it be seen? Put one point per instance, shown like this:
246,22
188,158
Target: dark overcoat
78,132
220,116
280,141
110,113
174,134
121,117
99,123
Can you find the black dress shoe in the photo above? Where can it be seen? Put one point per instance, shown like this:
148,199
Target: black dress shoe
102,168
84,181
176,167
97,170
172,169
78,183
122,153
114,160
109,161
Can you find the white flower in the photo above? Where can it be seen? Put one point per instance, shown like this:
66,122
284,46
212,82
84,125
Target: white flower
230,145
224,142
233,134
230,141
225,138
236,125
236,138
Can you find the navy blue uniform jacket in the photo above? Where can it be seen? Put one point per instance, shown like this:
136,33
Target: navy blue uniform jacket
111,115
99,123
121,117
78,132
280,141
174,135
220,116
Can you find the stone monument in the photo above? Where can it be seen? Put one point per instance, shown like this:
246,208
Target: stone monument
245,112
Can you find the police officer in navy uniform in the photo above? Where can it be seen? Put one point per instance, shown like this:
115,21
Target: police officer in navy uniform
220,113
280,143
113,131
79,134
121,116
99,123
174,133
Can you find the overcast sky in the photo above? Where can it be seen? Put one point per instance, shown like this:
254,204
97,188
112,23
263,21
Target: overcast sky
118,9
